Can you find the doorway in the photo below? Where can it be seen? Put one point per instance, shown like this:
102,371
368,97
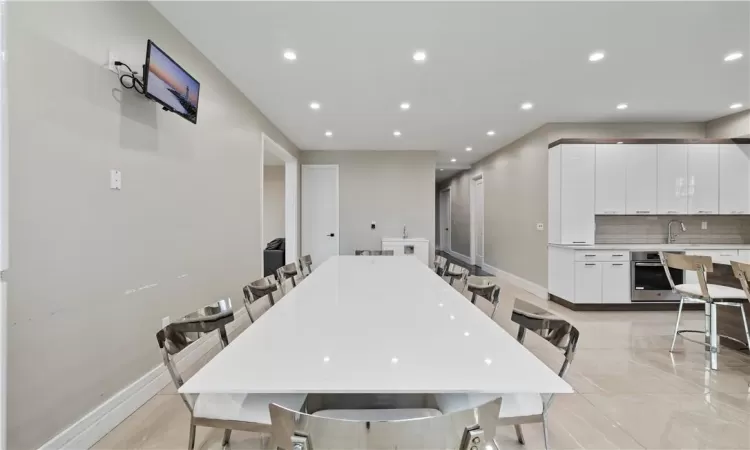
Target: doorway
278,198
445,220
477,220
320,212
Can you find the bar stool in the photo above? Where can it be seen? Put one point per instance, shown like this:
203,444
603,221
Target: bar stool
305,263
484,287
456,272
711,295
288,271
742,272
257,290
439,264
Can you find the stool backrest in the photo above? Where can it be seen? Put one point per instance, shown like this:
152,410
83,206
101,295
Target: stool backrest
701,265
306,263
742,272
471,429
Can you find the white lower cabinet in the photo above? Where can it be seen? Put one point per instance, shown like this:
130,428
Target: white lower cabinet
615,282
717,256
588,282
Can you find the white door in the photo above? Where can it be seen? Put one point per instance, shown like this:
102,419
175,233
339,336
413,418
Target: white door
672,195
642,162
703,178
577,192
320,212
445,220
734,179
611,179
478,221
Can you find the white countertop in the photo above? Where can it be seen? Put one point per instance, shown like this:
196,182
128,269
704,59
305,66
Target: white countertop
655,247
398,239
363,324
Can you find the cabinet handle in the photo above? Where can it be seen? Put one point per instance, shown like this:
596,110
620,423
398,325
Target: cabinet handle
618,254
642,211
589,264
705,212
671,212
579,242
589,256
618,264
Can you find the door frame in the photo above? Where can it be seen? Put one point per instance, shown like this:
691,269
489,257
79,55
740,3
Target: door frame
446,246
291,198
472,215
4,214
308,167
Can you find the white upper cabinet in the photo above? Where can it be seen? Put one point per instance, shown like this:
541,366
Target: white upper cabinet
734,179
672,189
641,178
703,178
611,179
577,181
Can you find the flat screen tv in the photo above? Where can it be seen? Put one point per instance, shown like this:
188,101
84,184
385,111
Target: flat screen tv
168,84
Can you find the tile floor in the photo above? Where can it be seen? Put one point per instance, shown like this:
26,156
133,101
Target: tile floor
631,393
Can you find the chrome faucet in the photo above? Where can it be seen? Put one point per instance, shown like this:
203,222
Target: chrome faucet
406,235
671,237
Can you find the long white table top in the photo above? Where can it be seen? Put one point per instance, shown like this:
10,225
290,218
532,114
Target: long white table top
379,324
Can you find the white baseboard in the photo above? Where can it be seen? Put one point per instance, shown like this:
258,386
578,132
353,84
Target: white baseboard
460,257
523,283
89,429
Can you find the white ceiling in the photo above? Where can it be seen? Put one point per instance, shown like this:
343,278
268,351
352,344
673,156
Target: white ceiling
665,59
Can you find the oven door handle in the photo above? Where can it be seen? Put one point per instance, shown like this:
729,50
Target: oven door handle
638,264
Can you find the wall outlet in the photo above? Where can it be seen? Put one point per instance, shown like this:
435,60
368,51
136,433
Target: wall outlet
372,226
165,321
704,225
115,179
111,62
540,226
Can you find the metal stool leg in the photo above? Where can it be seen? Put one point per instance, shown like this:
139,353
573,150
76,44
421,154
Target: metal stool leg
545,430
225,441
191,438
712,337
744,322
677,325
519,434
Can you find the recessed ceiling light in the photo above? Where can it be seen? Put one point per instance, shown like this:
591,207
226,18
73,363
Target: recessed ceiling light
326,358
314,105
468,149
405,106
453,159
394,360
442,170
527,105
419,56
329,133
735,105
397,133
596,56
622,106
289,55
490,133
734,56
466,333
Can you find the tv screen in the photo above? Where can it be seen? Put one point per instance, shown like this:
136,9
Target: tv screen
168,83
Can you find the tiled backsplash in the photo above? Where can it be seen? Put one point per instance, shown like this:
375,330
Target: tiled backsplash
653,229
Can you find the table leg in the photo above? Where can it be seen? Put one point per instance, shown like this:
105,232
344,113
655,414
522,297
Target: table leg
712,336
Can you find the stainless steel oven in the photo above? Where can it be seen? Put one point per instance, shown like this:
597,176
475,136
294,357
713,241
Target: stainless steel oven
649,280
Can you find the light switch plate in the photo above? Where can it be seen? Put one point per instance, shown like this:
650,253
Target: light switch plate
540,226
115,180
704,225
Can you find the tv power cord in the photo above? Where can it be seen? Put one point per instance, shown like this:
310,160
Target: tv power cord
128,80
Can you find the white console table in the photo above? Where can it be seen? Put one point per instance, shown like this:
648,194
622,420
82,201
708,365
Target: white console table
418,247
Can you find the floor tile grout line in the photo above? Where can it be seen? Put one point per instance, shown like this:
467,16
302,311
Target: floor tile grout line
619,425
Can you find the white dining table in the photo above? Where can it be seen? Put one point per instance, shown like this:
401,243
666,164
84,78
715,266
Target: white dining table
374,324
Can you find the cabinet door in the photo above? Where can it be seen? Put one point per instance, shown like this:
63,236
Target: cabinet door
717,256
611,179
577,194
615,282
672,179
734,179
554,195
588,282
703,179
641,183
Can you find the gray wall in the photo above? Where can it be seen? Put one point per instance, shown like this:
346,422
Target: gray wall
391,188
731,126
93,271
516,193
273,202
